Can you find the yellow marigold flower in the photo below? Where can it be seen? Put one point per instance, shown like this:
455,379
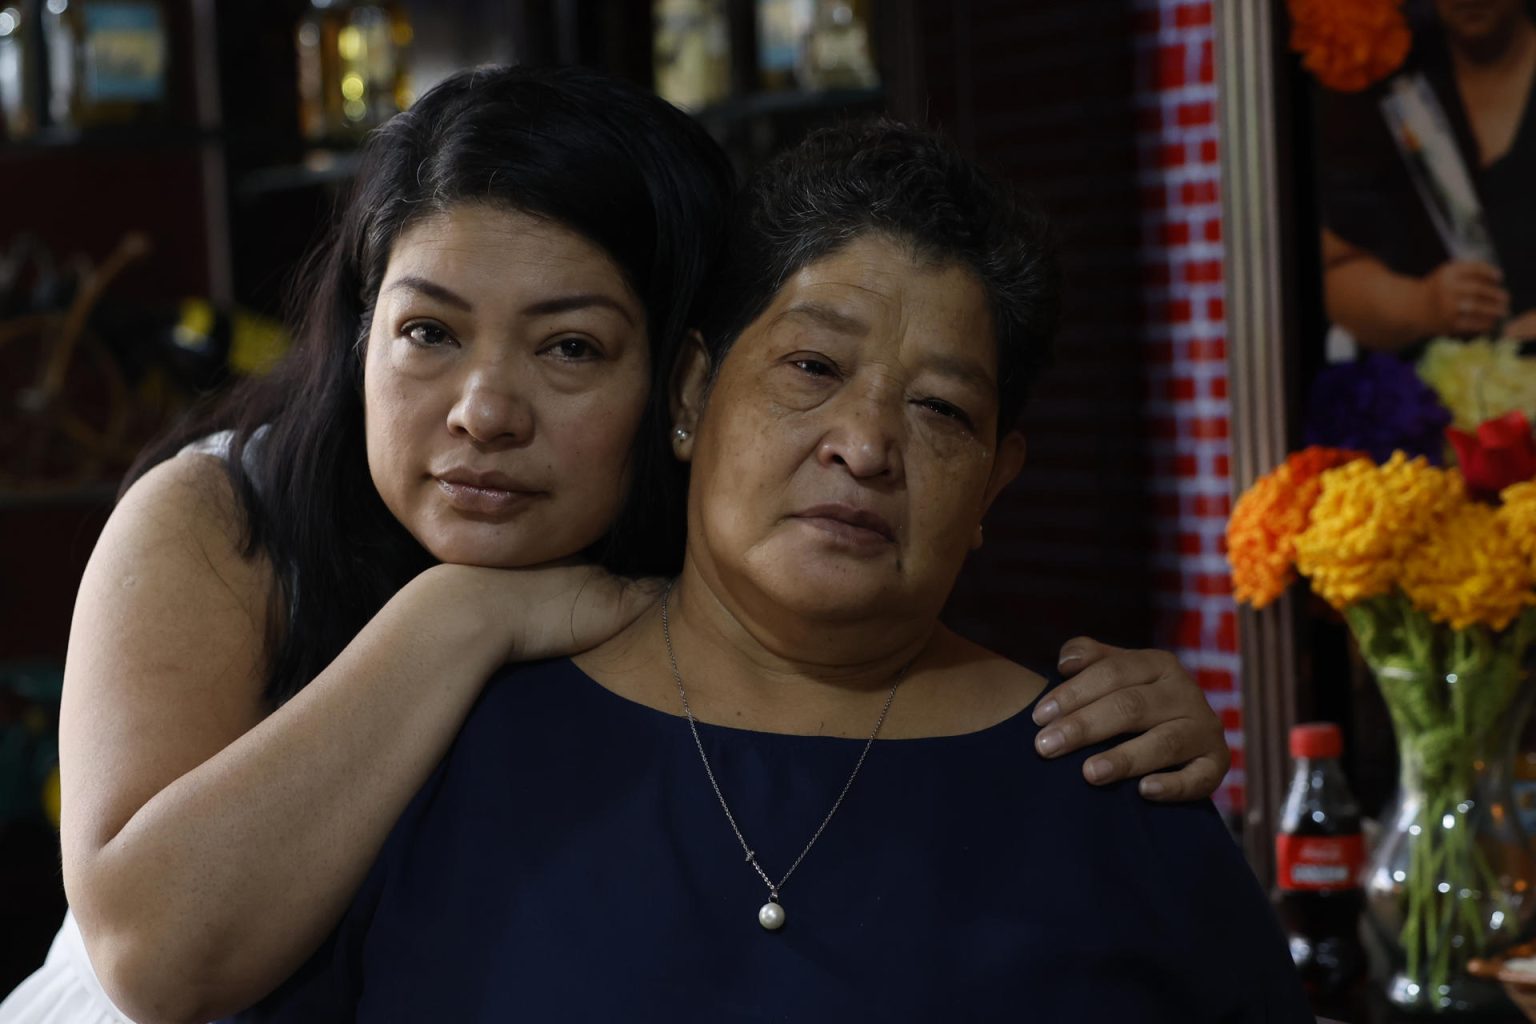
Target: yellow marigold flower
1469,570
1518,513
1261,533
1480,380
1366,519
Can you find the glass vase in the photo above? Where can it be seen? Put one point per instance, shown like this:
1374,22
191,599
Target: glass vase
1451,874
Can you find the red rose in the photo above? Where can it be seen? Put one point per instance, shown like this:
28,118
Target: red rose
1499,453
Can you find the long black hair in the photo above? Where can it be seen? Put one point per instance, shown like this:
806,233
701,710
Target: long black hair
611,162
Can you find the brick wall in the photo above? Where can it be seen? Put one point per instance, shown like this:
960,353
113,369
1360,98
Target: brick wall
1106,111
1184,333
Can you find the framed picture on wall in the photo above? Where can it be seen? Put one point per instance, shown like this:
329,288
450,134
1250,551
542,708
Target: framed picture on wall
1379,197
1379,191
1425,155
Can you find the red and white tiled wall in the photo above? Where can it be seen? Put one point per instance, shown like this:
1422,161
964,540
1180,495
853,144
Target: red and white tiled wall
1187,408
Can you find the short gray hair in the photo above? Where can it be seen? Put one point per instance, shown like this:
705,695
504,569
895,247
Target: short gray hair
884,177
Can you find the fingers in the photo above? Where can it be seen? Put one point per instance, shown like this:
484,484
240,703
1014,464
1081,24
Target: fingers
1478,271
1170,744
1098,671
1117,692
1485,301
1475,299
1477,311
1195,781
1475,321
1115,713
1522,326
1080,652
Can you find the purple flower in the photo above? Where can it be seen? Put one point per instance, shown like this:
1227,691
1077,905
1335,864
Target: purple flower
1376,405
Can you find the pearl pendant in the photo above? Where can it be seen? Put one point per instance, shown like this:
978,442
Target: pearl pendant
771,916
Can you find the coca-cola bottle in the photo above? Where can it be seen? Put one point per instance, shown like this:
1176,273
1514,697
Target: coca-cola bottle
1318,857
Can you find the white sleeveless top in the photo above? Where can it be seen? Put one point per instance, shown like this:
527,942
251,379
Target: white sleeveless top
65,990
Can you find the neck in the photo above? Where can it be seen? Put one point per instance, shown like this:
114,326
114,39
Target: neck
787,673
1496,53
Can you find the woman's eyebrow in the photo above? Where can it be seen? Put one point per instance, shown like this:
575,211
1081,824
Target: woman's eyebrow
433,290
964,370
826,316
584,300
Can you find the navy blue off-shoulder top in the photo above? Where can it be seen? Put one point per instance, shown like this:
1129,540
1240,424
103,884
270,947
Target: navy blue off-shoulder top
568,861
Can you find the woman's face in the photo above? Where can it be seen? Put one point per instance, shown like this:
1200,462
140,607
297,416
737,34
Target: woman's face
848,447
506,372
1480,22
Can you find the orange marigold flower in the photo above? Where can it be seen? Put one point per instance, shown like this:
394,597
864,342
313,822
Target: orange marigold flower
1349,45
1262,531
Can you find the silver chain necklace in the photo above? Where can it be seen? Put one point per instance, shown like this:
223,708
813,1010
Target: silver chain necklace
771,914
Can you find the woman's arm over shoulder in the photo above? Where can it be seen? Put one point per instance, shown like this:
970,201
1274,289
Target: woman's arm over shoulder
211,842
164,670
166,648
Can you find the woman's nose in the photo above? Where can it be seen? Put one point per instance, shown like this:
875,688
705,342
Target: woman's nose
492,410
864,436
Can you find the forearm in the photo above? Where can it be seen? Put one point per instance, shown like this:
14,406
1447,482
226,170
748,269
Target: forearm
221,884
1382,309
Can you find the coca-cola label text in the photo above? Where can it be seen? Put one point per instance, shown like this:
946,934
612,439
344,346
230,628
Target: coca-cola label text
1318,863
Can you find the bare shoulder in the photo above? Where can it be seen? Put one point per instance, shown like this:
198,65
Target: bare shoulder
963,687
178,529
167,651
188,497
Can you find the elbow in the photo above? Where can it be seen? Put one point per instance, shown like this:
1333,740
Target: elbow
153,964
149,979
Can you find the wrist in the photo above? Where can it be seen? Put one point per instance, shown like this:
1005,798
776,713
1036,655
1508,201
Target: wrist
1421,314
464,608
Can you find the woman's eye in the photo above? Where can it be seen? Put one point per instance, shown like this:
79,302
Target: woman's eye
427,335
573,349
814,367
946,410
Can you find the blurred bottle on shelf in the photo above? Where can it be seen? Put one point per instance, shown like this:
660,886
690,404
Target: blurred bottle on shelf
107,61
354,67
836,54
782,26
384,36
20,70
319,70
691,52
61,29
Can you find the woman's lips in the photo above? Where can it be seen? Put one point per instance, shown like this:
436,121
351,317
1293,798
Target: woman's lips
482,500
849,525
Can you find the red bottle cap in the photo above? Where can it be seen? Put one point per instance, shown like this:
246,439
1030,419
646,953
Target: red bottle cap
1316,739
